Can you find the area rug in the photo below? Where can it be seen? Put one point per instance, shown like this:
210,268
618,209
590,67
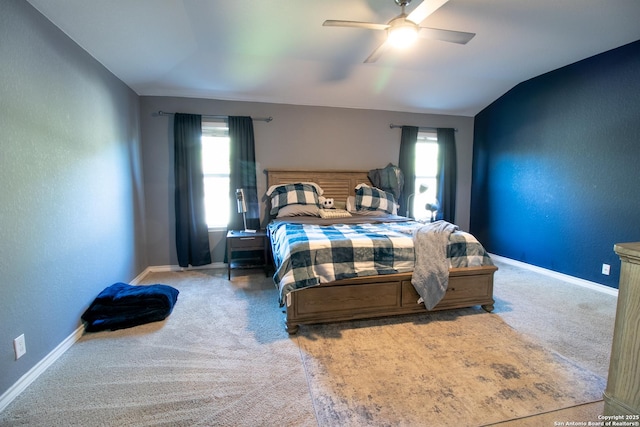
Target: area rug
462,368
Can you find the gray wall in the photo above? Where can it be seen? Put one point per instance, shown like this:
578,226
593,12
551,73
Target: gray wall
73,215
71,205
298,137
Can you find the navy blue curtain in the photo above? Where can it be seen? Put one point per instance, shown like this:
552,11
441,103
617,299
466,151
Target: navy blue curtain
192,234
447,174
243,172
407,164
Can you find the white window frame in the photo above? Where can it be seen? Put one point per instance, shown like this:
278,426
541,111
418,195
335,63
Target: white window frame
426,170
216,199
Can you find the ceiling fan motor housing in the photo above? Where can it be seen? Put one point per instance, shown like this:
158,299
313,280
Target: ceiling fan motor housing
402,32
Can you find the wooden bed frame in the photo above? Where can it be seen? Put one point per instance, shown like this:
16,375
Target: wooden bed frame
373,296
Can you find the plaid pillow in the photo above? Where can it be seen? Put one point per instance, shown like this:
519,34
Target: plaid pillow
293,194
374,199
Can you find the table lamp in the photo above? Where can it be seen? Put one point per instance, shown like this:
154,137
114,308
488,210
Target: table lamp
242,208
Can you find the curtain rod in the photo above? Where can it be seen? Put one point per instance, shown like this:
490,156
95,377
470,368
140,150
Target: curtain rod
259,119
392,126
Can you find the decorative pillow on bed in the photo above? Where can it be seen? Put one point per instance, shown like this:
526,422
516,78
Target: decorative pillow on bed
333,213
351,207
293,194
374,199
319,189
299,210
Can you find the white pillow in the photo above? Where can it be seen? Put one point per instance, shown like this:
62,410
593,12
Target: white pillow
351,204
298,210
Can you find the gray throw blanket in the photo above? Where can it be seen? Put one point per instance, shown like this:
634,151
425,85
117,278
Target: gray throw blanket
431,271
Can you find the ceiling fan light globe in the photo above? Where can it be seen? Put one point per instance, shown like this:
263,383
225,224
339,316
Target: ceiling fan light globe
402,36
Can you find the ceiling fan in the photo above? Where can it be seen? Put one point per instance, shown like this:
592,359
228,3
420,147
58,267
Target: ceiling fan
404,29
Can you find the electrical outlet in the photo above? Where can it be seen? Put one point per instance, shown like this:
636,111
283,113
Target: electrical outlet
19,346
606,268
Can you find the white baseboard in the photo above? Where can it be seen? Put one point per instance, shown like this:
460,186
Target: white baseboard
565,277
33,373
14,391
167,268
136,280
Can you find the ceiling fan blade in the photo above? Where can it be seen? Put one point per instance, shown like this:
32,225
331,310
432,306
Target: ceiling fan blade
424,9
377,53
459,37
354,24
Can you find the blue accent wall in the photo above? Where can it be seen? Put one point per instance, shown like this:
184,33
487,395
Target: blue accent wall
556,169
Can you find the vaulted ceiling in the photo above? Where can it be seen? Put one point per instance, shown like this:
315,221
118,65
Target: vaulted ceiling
278,50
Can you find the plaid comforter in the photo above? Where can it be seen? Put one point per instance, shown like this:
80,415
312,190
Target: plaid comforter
309,254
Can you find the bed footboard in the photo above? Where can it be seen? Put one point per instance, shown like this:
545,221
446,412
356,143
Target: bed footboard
382,296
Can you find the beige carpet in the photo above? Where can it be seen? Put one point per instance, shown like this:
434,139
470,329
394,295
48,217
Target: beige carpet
573,321
223,359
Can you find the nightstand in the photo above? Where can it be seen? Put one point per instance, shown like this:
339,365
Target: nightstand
247,250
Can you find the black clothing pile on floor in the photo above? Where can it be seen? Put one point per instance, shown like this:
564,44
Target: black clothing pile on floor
122,306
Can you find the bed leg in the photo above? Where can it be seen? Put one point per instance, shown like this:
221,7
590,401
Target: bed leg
488,307
291,329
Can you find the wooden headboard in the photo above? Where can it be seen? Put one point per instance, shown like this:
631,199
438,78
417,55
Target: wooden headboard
337,184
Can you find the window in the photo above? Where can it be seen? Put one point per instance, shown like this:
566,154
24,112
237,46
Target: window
216,169
426,173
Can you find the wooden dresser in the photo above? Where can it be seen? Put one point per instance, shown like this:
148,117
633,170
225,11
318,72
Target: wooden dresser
622,396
